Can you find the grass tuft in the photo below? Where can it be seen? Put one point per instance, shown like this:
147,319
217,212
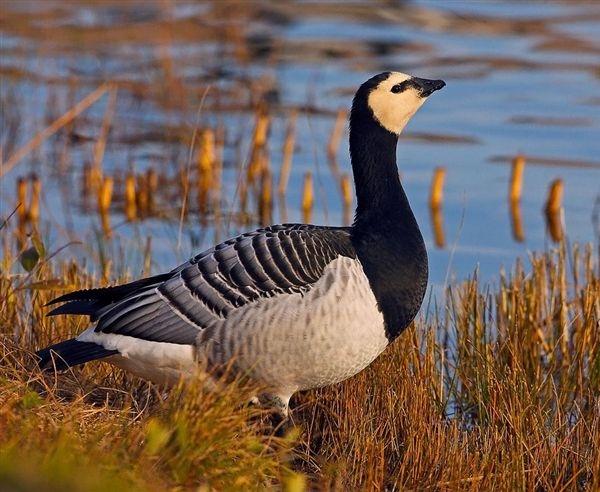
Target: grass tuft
499,390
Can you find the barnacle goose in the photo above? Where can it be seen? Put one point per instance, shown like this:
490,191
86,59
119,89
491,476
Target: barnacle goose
296,306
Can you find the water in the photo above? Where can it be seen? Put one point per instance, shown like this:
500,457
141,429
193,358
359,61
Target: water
521,78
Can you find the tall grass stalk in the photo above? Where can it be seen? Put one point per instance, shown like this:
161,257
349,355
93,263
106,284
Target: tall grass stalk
499,389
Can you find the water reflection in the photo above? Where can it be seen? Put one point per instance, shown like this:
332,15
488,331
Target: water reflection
516,221
218,106
554,211
436,200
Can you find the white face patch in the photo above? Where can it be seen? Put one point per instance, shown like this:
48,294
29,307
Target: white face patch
394,110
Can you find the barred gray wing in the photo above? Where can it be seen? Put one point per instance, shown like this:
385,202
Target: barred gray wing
173,307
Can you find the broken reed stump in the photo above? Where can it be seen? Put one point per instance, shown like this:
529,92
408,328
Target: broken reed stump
129,195
289,144
436,193
555,196
265,203
346,189
336,133
105,194
553,210
436,199
22,199
516,221
335,138
28,213
34,202
205,166
437,225
152,186
515,189
259,141
218,171
307,197
516,179
100,145
141,197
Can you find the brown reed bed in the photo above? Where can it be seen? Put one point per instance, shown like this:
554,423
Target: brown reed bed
498,388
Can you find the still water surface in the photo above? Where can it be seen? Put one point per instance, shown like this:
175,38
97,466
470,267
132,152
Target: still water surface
521,78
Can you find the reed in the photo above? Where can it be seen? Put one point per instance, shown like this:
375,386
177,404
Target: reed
265,204
289,144
307,197
51,129
206,164
259,141
555,197
100,145
217,178
516,221
516,179
105,195
335,138
243,197
464,400
130,197
553,210
436,200
337,133
21,199
437,226
33,211
152,181
346,188
436,192
142,195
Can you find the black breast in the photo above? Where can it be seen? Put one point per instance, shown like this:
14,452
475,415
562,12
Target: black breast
394,258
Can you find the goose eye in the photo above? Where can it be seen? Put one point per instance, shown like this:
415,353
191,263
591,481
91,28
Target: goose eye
399,87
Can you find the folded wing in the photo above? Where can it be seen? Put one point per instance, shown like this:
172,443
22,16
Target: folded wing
175,306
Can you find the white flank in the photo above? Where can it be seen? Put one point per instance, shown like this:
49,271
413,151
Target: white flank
293,342
288,342
163,363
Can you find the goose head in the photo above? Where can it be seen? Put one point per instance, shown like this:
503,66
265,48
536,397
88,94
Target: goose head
392,98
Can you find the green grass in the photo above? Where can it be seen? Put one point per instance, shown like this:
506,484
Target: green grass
500,389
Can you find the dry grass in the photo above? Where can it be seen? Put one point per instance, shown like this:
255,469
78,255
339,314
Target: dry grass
500,390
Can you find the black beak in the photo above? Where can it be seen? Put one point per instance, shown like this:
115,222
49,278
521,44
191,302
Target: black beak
428,87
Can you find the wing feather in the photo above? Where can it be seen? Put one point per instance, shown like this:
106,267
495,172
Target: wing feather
177,306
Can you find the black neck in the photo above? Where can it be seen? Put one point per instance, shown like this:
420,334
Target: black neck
373,155
385,233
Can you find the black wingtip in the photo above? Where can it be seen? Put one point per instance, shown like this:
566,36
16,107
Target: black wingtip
71,353
87,308
106,295
78,295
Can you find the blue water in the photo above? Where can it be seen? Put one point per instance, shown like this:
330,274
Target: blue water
481,101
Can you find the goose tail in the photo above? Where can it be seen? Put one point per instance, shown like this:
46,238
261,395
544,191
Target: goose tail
71,353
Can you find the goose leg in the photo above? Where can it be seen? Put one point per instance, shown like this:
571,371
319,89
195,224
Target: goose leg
279,404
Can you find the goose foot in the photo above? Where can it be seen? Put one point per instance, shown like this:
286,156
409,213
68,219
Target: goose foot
279,417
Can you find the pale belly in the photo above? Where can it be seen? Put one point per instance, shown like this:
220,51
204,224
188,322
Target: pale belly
162,363
289,342
294,342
